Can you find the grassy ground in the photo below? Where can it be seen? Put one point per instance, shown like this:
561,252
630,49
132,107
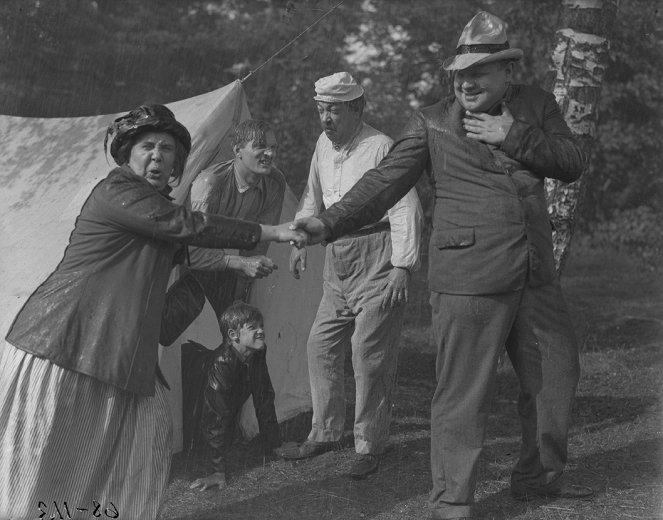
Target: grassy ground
615,445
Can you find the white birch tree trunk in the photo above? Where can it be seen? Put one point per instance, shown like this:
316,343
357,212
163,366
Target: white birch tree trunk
578,61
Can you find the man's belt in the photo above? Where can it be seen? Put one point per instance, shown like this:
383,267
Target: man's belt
383,225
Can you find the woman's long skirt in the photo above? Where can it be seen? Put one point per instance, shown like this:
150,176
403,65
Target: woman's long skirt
73,447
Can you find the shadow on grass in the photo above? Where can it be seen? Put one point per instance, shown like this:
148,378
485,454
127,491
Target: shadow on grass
592,409
596,410
302,494
403,480
611,331
320,489
611,473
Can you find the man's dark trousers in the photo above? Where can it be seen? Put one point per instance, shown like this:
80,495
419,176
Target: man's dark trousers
470,331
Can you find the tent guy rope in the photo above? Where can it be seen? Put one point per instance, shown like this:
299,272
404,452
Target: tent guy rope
291,42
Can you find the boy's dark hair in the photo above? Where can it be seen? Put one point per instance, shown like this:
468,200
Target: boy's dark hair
251,130
236,316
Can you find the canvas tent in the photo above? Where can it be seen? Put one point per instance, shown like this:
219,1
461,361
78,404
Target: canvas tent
49,166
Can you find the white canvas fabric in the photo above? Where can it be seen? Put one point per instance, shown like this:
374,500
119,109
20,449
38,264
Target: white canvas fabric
47,169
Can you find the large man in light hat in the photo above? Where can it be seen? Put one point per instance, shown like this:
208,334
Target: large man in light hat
492,276
366,278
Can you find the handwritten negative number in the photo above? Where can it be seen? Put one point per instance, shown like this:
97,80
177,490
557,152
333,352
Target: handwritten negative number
64,513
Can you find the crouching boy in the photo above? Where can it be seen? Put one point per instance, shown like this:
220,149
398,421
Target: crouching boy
237,369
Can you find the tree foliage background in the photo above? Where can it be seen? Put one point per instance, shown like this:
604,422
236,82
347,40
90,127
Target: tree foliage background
83,57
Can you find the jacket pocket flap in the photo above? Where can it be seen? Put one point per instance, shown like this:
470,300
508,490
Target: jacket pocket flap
453,238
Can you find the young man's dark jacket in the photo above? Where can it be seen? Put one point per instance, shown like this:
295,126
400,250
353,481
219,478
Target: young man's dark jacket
491,230
230,381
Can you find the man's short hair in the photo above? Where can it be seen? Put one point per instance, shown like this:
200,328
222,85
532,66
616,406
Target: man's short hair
251,130
238,315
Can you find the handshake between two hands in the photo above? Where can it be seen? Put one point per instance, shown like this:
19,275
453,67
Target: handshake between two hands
299,233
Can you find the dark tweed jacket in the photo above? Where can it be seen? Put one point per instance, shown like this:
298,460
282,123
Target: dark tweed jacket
491,230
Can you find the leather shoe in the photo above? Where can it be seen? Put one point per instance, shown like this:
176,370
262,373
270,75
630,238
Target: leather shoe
308,449
364,466
564,491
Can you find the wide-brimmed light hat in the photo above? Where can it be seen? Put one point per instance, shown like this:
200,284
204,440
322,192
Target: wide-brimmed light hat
337,88
483,40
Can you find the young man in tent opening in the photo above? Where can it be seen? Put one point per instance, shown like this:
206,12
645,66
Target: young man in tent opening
249,187
366,278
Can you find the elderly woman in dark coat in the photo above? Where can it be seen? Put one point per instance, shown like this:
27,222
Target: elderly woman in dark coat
84,421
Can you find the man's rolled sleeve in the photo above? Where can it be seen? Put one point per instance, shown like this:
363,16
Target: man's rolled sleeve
311,200
200,197
405,219
208,259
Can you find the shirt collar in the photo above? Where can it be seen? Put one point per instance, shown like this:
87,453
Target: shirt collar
347,147
243,357
243,189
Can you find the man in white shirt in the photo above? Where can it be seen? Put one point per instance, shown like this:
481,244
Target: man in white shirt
366,278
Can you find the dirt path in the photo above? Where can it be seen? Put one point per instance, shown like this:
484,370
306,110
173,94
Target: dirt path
616,441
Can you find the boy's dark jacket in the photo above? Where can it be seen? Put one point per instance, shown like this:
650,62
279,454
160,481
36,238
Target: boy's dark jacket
229,383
